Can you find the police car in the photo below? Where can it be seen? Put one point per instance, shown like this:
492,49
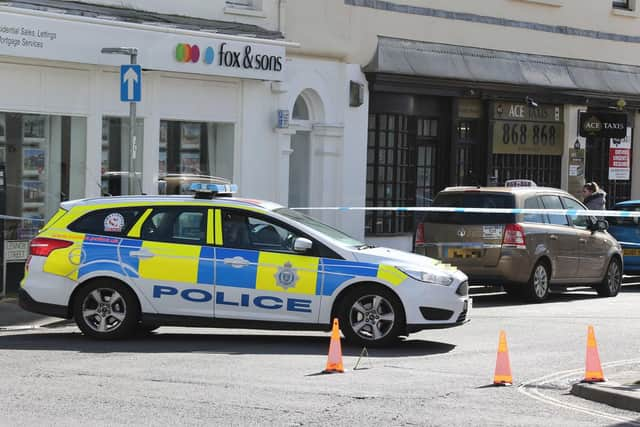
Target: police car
121,264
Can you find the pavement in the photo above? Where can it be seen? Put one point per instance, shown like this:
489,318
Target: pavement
621,390
14,317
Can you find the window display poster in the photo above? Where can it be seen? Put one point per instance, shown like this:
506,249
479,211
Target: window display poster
32,192
163,162
163,134
105,132
33,161
190,136
190,163
33,128
3,128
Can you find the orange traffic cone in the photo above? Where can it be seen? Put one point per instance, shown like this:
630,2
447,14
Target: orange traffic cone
593,370
503,366
334,362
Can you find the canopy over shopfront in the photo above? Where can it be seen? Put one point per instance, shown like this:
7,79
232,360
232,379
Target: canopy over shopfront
487,68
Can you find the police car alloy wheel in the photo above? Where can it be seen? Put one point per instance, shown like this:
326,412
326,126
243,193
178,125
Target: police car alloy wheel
105,309
372,317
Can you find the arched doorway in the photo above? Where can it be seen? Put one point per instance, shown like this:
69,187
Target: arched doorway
300,160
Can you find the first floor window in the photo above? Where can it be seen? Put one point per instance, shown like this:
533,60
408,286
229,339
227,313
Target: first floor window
621,4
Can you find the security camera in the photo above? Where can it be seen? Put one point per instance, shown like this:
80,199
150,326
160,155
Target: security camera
530,102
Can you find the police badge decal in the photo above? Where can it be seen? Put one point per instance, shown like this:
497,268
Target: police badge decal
286,276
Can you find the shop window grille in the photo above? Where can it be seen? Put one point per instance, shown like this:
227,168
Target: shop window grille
545,171
401,169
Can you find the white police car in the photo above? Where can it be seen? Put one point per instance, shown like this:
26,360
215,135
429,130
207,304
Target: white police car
122,263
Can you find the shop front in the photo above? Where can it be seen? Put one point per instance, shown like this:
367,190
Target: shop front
64,133
443,115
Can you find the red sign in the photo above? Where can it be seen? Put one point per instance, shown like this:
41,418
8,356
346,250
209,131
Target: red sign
619,158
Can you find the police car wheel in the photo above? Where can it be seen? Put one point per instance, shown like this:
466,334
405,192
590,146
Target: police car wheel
106,309
371,317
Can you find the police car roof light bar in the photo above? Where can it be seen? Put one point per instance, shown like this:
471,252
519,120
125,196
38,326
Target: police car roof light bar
209,191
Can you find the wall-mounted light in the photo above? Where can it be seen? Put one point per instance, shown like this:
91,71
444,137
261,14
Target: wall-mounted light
356,94
620,104
531,102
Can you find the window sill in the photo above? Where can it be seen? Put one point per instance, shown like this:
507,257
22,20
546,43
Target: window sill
625,12
244,12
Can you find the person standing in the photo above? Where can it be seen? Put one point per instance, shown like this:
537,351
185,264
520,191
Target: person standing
594,197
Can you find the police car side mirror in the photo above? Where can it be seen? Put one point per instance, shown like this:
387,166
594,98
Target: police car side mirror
302,244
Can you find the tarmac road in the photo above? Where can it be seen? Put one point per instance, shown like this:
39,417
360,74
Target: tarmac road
181,376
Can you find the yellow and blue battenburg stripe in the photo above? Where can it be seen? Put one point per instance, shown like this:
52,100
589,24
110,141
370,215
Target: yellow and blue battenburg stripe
103,253
236,268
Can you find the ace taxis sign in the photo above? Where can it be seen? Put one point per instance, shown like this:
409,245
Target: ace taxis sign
518,128
603,124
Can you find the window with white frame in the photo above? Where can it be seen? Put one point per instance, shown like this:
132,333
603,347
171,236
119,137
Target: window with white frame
622,4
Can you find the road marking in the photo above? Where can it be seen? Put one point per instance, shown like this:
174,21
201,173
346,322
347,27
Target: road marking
536,394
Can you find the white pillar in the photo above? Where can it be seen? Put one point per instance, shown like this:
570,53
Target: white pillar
571,184
283,147
93,172
326,175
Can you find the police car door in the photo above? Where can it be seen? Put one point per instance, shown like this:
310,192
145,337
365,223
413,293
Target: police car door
176,260
258,274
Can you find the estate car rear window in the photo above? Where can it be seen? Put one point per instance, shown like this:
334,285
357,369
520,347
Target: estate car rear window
472,199
107,222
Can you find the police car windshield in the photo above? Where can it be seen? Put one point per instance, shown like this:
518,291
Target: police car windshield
328,231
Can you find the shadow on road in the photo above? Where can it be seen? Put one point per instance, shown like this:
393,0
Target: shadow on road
212,343
503,300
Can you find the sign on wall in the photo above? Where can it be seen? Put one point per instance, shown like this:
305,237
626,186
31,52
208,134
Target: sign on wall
518,128
603,124
620,158
74,40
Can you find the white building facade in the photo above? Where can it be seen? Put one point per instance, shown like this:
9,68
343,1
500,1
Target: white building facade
479,93
213,90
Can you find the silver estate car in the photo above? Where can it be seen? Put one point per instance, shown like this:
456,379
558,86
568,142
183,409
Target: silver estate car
526,254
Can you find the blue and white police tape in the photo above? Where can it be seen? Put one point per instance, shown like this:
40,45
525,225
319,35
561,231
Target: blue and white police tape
20,218
513,211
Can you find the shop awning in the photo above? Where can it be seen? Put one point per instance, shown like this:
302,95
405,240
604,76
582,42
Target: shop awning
78,8
434,60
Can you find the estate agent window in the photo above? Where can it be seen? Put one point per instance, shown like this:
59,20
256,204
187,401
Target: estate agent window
197,148
42,162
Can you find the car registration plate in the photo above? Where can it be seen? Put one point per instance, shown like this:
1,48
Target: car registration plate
631,252
464,253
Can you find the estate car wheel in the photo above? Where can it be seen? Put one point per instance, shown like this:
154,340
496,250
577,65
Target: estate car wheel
106,309
537,290
612,281
371,317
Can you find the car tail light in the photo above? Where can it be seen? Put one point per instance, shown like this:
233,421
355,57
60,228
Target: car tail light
42,246
514,236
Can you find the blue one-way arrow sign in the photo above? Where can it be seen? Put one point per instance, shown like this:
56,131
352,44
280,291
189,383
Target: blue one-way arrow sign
130,83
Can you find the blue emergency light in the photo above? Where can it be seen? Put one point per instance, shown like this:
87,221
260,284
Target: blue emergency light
208,191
